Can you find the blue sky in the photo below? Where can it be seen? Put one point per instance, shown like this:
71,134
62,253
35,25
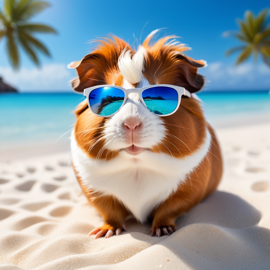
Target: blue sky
200,25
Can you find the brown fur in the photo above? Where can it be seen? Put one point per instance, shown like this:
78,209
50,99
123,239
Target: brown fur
186,128
100,66
199,185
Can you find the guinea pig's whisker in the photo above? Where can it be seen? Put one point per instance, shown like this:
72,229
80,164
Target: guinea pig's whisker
157,69
172,136
178,126
166,74
90,148
87,130
62,136
100,152
95,79
175,125
90,141
106,155
99,139
213,155
158,148
173,146
164,71
167,148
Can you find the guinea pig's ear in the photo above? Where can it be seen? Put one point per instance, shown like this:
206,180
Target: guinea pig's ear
86,70
188,76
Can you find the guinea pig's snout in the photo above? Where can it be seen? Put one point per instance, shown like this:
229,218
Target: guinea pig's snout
132,124
132,127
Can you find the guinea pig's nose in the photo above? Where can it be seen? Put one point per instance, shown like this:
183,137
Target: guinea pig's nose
132,123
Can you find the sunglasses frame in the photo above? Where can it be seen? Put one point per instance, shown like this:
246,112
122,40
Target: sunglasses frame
180,90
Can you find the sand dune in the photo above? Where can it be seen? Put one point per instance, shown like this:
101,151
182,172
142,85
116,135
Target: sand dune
45,219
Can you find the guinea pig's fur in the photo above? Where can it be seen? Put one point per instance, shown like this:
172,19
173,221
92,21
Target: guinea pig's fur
181,163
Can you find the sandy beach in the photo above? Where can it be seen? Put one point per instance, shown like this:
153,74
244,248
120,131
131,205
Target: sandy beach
45,219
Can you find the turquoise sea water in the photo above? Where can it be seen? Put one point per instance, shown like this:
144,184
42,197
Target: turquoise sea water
36,117
163,106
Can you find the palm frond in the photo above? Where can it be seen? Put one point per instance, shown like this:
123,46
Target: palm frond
35,43
241,37
12,50
261,36
235,49
250,23
3,18
2,34
21,6
22,3
255,32
9,6
31,9
260,20
266,43
28,49
244,55
245,31
265,51
37,27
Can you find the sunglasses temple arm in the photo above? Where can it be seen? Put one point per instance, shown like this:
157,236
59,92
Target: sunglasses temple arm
187,93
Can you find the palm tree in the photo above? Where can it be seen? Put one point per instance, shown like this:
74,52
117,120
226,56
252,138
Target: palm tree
255,34
18,31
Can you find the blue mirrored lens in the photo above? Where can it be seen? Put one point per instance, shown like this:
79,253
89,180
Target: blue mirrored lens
106,101
160,100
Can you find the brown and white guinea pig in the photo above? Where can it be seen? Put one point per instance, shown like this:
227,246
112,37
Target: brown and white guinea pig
163,167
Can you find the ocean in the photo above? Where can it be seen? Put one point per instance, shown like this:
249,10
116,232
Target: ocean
37,117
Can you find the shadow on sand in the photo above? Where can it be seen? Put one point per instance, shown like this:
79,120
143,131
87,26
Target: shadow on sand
219,233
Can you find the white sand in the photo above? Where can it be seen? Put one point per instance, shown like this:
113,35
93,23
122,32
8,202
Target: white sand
45,219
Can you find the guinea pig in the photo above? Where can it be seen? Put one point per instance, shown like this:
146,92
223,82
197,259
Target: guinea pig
137,162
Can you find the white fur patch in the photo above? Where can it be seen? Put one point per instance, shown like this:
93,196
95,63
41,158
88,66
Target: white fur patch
131,68
139,57
141,182
131,72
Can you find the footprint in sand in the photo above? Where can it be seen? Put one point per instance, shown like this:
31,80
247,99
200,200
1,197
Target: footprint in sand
254,169
31,169
9,201
63,163
64,196
3,181
20,175
60,211
49,187
60,178
49,168
27,186
260,186
5,213
253,153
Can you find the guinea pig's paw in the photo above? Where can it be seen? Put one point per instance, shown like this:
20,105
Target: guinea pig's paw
106,230
163,230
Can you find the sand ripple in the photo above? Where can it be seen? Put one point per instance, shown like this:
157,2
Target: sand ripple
44,219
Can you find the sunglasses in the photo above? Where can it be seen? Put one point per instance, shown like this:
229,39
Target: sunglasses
161,99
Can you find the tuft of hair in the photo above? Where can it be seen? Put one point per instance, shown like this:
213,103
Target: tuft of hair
132,67
145,66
